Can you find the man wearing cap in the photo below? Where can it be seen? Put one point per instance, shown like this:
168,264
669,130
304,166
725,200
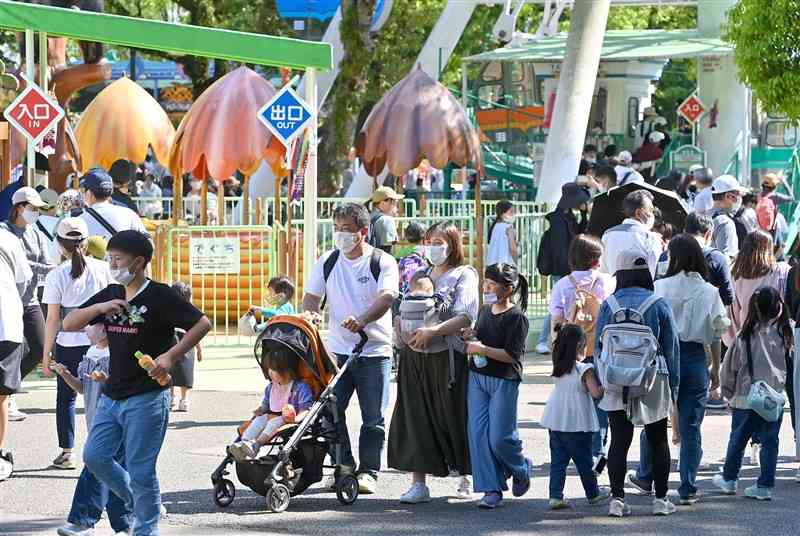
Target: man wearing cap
15,273
552,258
625,173
635,232
25,207
727,196
122,174
382,229
102,216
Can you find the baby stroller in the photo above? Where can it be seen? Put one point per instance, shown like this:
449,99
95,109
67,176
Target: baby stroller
295,456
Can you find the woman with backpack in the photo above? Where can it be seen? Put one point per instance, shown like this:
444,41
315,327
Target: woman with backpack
428,433
645,324
503,236
576,299
701,319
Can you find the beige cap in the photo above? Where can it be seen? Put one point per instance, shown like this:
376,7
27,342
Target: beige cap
49,196
770,180
632,259
383,193
72,229
26,194
96,247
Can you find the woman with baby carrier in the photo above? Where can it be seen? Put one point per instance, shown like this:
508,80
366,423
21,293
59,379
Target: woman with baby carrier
428,434
637,355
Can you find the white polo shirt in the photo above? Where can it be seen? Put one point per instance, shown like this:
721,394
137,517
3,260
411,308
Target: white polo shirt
120,218
351,290
15,272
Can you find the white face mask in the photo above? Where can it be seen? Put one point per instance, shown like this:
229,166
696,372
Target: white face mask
345,242
651,220
123,276
437,255
489,298
30,216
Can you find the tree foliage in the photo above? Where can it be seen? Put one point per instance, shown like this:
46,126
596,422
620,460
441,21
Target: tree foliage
767,52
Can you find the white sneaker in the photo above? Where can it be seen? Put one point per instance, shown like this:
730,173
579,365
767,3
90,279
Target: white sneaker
162,510
14,414
542,348
6,468
183,405
367,484
663,507
755,449
243,450
464,490
74,530
419,493
618,508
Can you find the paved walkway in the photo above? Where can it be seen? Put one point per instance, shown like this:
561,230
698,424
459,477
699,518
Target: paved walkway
37,498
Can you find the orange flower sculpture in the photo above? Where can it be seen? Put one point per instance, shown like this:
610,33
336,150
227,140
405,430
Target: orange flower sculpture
418,118
221,132
120,122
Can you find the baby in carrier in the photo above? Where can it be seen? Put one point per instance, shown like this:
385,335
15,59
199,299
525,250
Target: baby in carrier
286,400
420,306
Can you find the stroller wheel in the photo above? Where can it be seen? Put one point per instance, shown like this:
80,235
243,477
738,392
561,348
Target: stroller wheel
224,492
347,489
278,497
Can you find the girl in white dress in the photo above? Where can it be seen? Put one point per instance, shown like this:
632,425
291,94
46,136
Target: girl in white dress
571,418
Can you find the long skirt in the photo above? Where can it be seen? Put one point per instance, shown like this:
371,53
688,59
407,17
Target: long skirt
428,433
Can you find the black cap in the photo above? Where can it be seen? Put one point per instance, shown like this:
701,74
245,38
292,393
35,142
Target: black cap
573,196
98,182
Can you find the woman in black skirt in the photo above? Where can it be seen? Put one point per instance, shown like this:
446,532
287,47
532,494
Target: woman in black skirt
183,372
428,433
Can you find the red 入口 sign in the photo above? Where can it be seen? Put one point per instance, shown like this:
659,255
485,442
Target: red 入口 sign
692,109
33,113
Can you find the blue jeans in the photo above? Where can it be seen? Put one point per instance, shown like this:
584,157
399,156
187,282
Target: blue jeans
495,449
575,446
368,377
692,397
70,357
544,335
92,497
744,424
600,437
137,425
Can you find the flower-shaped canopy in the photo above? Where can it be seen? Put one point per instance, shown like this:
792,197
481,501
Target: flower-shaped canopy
121,122
221,132
418,118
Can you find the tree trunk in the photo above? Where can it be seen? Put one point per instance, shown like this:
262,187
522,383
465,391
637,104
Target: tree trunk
573,98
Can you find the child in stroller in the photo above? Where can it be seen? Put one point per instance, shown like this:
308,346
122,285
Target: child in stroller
293,455
286,400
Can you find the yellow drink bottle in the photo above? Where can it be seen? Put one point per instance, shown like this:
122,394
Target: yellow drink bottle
148,364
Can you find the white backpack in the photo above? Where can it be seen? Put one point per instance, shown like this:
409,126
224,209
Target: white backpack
629,359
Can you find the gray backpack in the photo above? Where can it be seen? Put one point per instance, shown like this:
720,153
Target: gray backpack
629,359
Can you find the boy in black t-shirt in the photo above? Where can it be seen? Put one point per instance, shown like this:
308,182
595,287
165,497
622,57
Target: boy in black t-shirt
138,314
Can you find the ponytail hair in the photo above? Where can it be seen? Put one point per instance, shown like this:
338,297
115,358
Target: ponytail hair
508,276
570,341
75,250
502,206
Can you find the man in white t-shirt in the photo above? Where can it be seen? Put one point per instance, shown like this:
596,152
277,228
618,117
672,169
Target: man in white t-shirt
360,283
102,216
14,276
635,232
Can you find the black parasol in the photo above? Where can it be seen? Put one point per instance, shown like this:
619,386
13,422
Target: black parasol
607,207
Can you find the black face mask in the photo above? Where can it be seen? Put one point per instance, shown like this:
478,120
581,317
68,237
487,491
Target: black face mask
693,188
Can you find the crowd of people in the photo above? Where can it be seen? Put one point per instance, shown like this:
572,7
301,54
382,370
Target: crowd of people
645,325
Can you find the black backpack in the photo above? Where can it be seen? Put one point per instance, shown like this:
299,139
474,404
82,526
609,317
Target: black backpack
544,259
741,228
330,262
372,237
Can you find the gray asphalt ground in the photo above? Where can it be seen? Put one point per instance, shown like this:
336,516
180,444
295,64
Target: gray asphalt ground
36,499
